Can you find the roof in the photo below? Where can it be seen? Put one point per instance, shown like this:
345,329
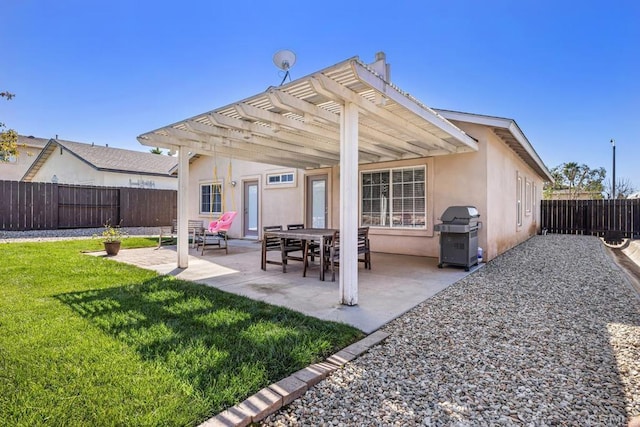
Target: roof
32,141
106,159
298,124
509,132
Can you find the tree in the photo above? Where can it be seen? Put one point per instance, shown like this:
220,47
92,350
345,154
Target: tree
573,181
8,137
624,188
156,150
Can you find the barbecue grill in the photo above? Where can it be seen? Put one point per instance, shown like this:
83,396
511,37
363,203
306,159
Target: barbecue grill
459,236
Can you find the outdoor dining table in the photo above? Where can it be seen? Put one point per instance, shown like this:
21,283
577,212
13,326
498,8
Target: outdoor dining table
306,235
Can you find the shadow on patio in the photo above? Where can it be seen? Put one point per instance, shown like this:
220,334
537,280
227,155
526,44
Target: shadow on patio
394,285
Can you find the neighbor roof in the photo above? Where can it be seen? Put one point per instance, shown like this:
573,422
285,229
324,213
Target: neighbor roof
32,141
106,159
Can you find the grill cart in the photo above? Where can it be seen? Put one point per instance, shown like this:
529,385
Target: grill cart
459,236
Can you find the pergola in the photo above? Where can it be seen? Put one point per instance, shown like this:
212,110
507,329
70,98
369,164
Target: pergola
346,114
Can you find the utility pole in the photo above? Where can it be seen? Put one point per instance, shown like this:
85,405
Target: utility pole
613,184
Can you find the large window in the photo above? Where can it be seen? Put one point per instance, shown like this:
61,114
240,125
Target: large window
394,198
211,198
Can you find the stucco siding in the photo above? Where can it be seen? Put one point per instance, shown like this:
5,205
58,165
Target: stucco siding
277,204
13,171
69,169
485,179
506,173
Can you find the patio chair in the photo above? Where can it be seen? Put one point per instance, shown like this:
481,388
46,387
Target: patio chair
312,246
271,243
333,250
167,233
216,233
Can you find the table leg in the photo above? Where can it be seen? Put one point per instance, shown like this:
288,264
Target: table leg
305,252
322,258
284,255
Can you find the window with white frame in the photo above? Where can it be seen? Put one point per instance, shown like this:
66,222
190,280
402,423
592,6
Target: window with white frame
519,200
280,178
527,196
211,198
394,198
534,195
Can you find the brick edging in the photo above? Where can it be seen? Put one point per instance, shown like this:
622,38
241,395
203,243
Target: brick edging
272,398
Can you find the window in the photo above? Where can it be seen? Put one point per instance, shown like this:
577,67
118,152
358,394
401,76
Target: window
527,196
534,195
519,201
211,198
280,178
394,198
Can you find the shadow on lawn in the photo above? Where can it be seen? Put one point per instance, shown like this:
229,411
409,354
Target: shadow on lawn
213,340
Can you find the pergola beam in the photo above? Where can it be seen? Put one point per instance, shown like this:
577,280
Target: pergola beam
333,90
285,101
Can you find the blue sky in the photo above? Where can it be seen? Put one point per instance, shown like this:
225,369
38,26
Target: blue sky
105,72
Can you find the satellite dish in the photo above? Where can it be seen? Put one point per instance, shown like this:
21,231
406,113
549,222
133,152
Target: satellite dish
284,59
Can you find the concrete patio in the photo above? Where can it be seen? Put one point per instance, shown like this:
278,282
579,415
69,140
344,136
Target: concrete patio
394,285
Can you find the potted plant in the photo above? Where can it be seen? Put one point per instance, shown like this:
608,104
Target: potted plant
111,237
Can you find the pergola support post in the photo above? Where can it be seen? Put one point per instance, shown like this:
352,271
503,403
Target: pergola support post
349,204
183,205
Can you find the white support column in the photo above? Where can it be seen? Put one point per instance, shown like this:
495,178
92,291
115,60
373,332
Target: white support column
349,204
183,207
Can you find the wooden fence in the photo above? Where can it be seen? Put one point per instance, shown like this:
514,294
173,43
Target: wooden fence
592,217
47,206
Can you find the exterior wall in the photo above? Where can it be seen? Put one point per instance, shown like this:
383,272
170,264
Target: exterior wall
277,204
506,167
16,170
485,179
69,169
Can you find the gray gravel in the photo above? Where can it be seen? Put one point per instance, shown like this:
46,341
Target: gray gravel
547,334
76,233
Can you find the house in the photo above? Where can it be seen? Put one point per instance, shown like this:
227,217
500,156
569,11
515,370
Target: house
344,147
68,162
28,149
566,194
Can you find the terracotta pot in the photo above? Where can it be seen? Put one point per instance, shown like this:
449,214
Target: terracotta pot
112,248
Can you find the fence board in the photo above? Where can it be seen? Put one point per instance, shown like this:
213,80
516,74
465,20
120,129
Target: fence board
40,206
591,217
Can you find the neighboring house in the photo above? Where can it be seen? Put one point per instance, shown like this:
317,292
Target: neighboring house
634,195
565,194
68,162
14,167
344,147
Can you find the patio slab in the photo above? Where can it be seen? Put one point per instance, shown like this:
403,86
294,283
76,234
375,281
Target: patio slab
395,284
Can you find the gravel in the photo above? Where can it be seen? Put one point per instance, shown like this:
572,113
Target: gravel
547,334
75,233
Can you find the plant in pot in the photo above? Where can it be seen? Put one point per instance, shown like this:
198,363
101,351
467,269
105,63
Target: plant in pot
111,237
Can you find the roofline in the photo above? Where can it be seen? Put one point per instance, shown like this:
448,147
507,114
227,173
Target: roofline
504,123
141,138
46,152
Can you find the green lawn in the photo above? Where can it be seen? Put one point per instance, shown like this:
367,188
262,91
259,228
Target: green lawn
85,340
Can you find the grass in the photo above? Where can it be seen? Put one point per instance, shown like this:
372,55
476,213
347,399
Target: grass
85,340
